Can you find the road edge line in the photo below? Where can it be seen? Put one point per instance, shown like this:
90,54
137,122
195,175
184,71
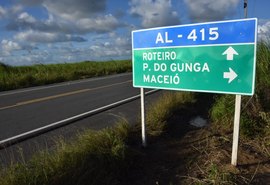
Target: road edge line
36,132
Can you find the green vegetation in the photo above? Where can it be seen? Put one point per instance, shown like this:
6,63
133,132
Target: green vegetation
27,76
211,166
255,111
163,109
94,158
178,154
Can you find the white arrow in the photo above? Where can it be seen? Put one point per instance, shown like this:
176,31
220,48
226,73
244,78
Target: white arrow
230,52
230,75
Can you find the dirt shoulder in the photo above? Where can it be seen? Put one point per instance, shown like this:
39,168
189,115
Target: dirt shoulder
185,154
197,157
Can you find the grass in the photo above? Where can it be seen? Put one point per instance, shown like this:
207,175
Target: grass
209,161
105,157
160,111
28,76
95,157
255,109
212,165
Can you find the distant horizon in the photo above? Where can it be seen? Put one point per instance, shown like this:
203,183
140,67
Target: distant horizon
70,62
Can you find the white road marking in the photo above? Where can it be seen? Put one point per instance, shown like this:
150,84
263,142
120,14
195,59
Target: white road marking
60,95
9,141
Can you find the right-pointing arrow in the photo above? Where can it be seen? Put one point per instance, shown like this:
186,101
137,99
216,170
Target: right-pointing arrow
231,75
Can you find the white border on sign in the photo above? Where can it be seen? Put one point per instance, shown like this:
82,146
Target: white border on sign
184,25
195,24
192,46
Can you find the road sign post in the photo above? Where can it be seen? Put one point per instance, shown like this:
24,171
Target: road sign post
216,57
236,126
144,144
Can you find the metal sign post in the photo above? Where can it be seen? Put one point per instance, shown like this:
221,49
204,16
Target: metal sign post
236,123
144,144
236,129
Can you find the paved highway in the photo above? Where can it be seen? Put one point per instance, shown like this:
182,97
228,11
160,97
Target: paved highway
28,109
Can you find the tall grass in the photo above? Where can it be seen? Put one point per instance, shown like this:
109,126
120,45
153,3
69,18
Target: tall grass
161,110
95,157
27,76
256,109
210,166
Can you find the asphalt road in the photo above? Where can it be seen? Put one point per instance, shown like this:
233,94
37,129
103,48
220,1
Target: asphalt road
28,109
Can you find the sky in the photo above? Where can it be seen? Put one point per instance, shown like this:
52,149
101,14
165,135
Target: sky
63,31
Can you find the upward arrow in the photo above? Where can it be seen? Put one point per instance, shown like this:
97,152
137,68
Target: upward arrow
230,52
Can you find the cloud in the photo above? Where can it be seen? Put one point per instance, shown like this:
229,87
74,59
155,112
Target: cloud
44,37
210,10
107,51
2,12
105,23
101,23
107,47
264,31
26,59
10,12
7,46
24,21
10,45
31,2
115,47
25,17
73,10
62,23
14,10
154,12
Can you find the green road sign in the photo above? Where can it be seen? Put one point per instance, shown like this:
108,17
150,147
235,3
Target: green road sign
219,65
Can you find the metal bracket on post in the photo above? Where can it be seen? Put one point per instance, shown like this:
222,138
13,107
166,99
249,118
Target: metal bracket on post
144,144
